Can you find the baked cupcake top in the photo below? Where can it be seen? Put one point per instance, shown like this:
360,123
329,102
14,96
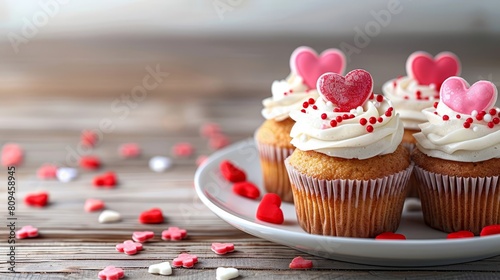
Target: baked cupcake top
464,125
347,120
306,66
420,88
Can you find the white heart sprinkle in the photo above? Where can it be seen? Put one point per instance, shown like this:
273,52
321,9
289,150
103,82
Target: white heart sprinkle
109,216
160,164
163,268
226,273
66,174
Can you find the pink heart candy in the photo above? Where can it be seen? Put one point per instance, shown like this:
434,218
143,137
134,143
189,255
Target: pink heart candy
428,70
349,92
456,94
92,204
306,63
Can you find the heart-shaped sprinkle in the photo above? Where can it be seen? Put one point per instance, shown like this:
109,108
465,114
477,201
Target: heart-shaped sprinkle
222,248
173,234
300,263
47,172
490,230
92,205
109,216
27,232
89,138
163,268
129,247
142,236
12,155
111,273
185,260
226,273
347,92
269,209
129,150
428,70
152,216
460,234
107,179
246,189
160,163
231,172
182,149
90,162
38,199
456,94
306,63
66,174
390,236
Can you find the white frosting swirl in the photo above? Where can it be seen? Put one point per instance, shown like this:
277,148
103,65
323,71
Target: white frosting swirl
348,139
288,95
452,141
403,94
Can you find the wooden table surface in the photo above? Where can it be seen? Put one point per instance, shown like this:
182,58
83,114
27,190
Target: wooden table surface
46,116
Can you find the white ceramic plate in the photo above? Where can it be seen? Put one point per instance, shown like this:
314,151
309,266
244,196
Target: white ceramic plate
423,247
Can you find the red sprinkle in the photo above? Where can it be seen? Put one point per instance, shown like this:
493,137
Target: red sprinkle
336,109
372,120
338,119
231,172
445,118
90,162
469,120
491,125
89,138
311,101
372,96
493,111
39,199
300,263
490,230
333,123
323,116
479,117
388,113
303,110
466,124
436,104
129,150
345,116
352,116
107,179
152,216
458,116
496,120
315,107
363,121
406,97
305,104
380,119
380,98
182,149
269,209
460,234
369,128
391,236
246,189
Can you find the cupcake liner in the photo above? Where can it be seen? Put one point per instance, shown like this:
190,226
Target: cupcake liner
412,183
453,203
349,208
273,170
409,146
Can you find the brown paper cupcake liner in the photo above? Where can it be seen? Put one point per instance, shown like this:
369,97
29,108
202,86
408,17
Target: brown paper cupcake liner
349,208
452,203
273,170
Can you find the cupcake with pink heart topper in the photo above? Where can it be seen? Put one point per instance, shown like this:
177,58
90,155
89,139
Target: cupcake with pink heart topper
457,158
349,171
420,88
292,94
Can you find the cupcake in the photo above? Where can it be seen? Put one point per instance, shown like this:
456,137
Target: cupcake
419,89
457,158
349,171
297,90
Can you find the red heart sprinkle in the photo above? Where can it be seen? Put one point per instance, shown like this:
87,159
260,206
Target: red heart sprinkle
47,171
39,199
269,209
231,172
182,149
89,138
246,189
490,230
107,179
90,162
93,205
12,154
428,70
460,234
349,92
300,263
129,150
152,216
390,235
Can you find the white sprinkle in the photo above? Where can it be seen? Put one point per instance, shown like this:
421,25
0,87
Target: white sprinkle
487,118
329,104
359,110
66,174
109,216
226,273
159,163
475,128
377,104
473,113
163,268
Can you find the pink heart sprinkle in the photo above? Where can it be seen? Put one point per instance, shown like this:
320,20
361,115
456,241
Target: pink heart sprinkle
428,70
47,171
93,205
346,93
27,231
456,94
142,236
306,63
300,263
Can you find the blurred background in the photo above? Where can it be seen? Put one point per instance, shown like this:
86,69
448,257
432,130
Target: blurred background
66,64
